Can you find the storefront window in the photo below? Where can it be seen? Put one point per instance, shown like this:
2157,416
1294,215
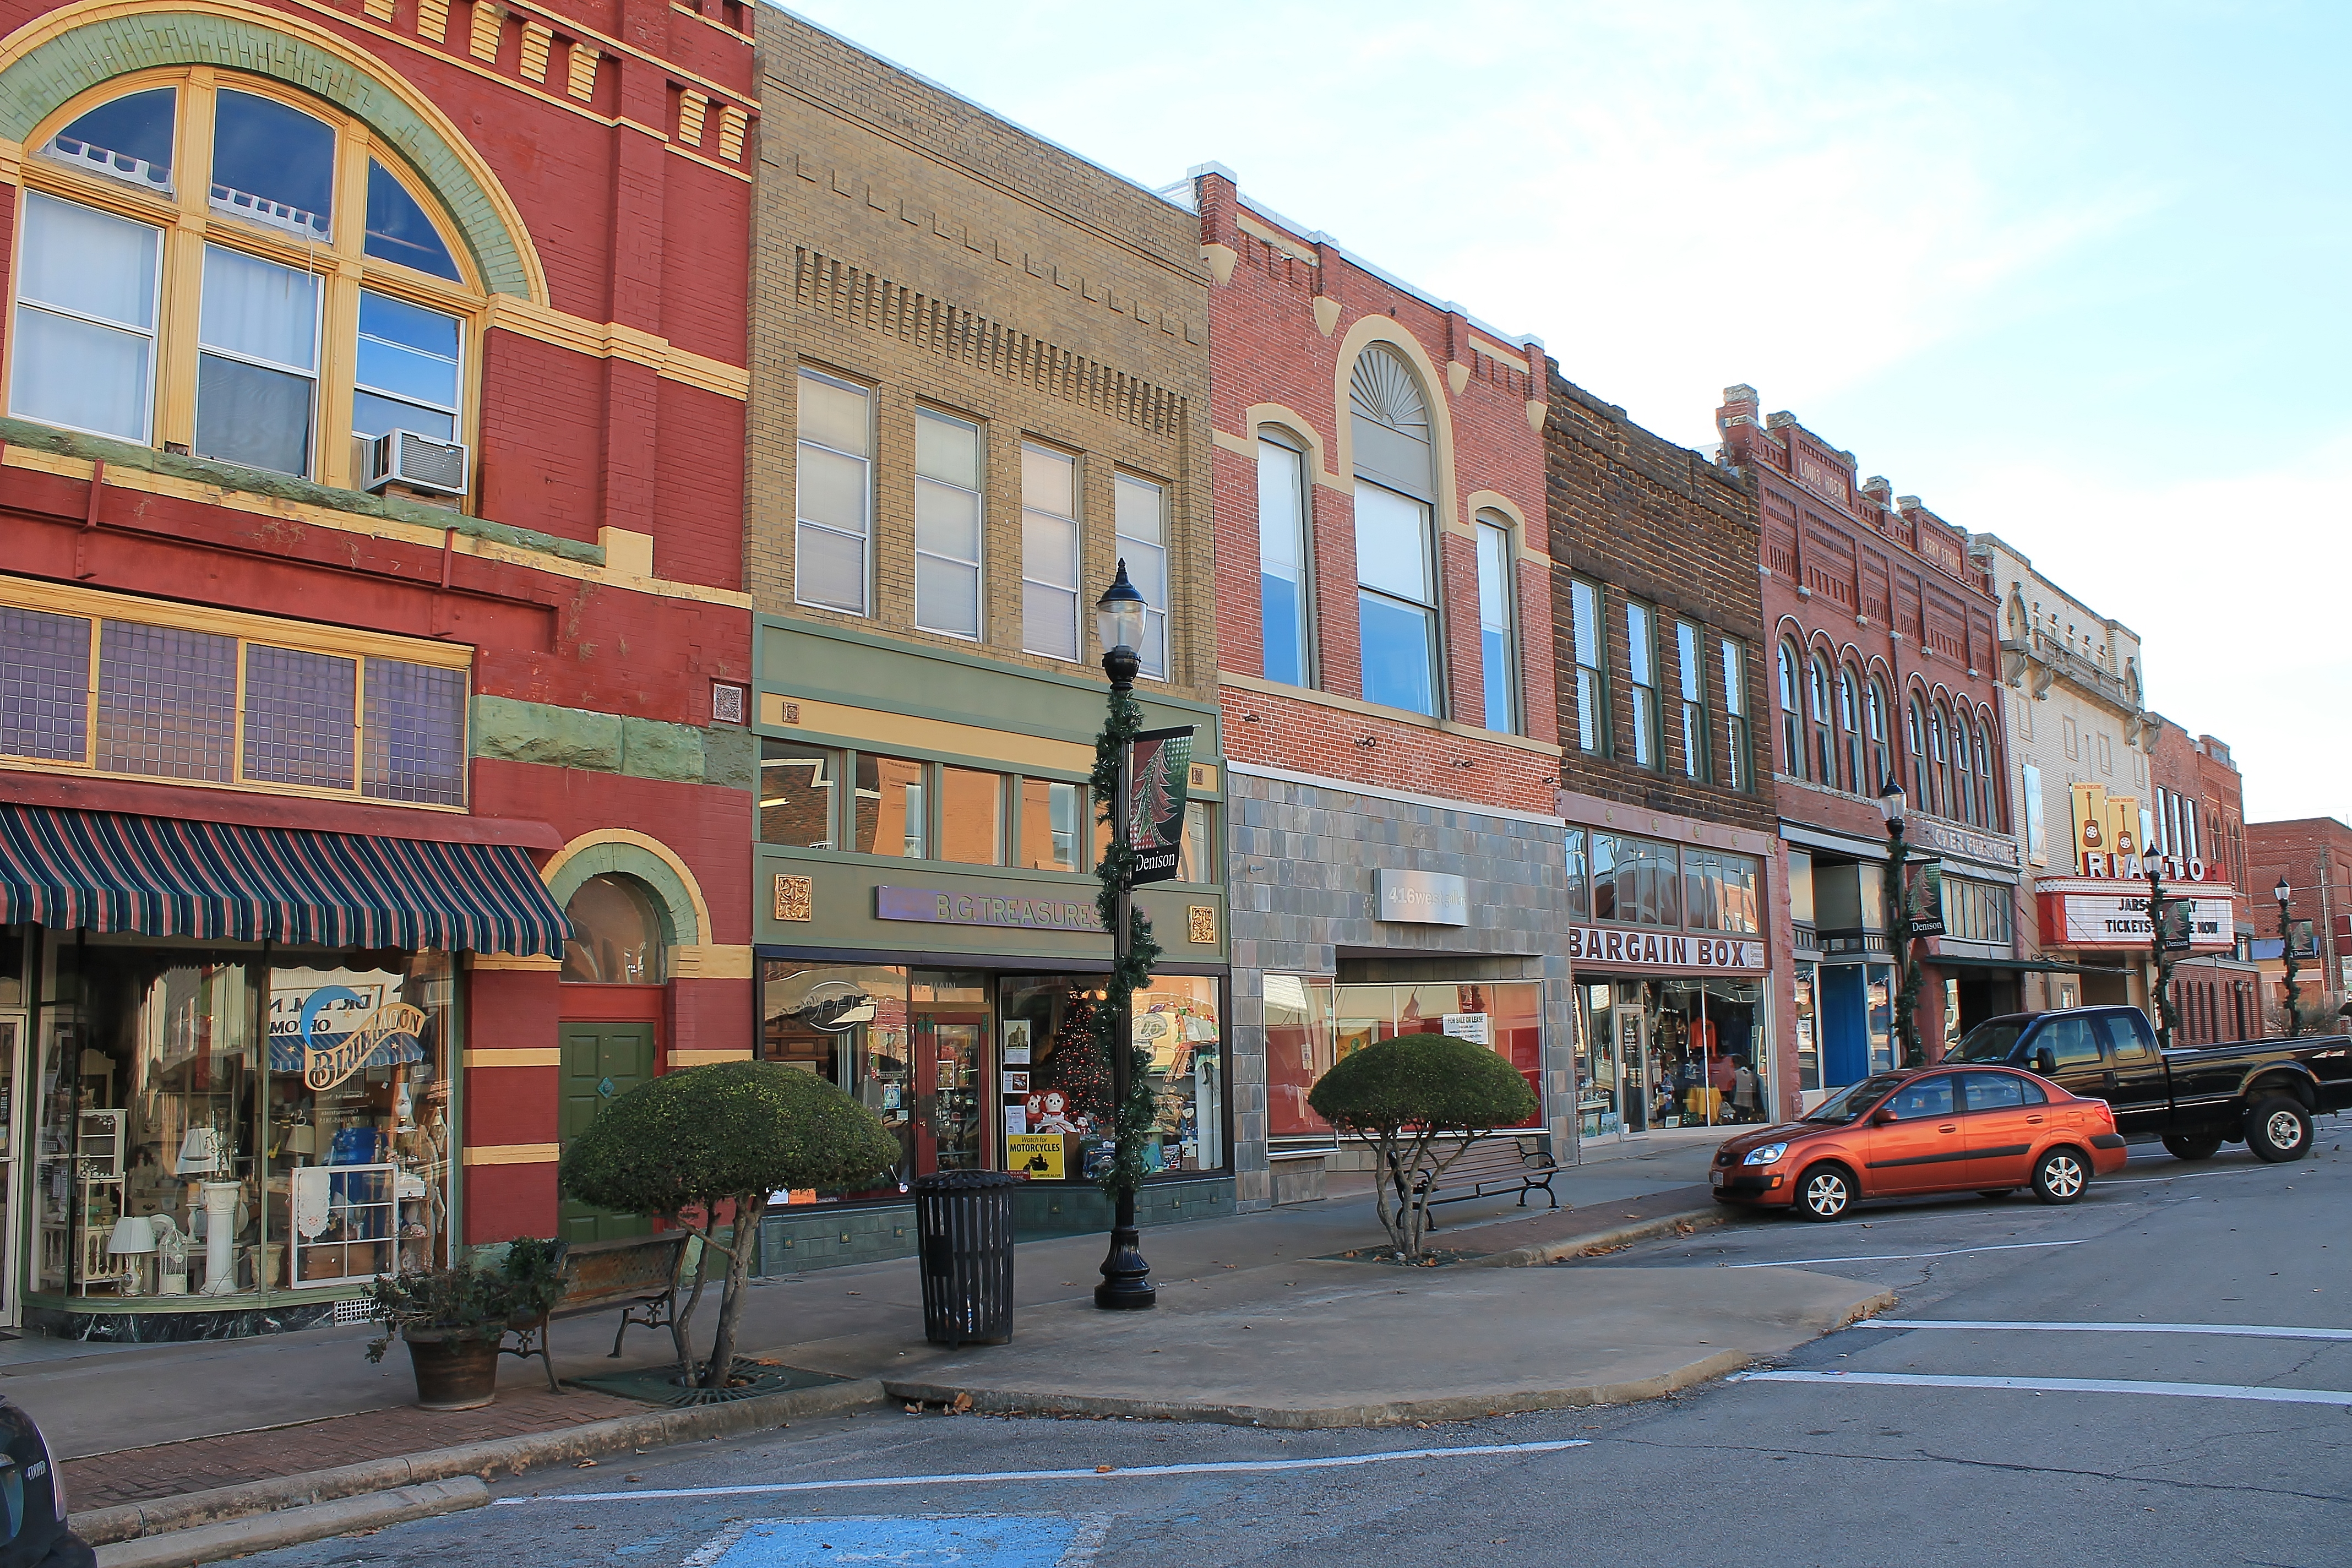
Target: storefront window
1197,857
1636,881
1879,986
891,815
797,794
1050,829
300,1106
1719,890
1580,891
847,1024
1707,1065
1178,1022
1808,1044
1298,1051
1506,1017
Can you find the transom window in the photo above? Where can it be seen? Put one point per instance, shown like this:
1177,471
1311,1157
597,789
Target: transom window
315,302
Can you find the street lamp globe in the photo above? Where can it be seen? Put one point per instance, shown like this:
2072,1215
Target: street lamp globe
2281,892
1119,614
2150,862
1892,803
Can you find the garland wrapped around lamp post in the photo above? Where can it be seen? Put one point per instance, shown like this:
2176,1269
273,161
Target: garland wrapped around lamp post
1119,619
1892,801
2168,1016
2286,951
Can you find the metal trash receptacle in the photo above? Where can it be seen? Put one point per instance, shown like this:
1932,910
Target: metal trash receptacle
963,1229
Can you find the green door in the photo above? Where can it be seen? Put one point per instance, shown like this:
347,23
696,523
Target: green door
601,1063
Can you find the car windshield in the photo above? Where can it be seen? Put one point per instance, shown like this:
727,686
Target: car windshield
1990,1042
1850,1102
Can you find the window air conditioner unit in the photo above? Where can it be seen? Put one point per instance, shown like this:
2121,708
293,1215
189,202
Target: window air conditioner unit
404,457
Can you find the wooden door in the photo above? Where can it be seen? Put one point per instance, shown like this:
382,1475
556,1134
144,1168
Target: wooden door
601,1061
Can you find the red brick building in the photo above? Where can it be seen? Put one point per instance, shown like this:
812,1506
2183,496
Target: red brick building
2197,823
1384,648
2313,854
373,485
1883,664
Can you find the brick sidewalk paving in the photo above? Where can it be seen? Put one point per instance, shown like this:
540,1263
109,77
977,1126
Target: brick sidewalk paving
168,1469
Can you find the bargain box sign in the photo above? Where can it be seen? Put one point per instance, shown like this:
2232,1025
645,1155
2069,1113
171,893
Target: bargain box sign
1602,947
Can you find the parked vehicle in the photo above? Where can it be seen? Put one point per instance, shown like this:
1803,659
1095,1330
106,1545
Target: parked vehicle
2262,1093
1924,1130
34,1490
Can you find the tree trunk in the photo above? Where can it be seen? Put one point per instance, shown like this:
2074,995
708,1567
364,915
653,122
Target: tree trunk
682,1323
730,1303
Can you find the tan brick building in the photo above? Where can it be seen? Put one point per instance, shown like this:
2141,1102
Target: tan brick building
980,373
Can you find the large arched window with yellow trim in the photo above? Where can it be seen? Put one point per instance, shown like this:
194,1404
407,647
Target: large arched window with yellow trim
223,267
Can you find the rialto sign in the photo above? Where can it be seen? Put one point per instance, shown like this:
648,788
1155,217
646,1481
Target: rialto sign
1604,947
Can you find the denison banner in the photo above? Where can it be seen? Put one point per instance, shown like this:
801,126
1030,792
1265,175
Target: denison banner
1159,779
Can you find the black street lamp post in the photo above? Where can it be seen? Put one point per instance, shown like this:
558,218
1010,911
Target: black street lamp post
2287,950
1892,801
1119,617
2168,1016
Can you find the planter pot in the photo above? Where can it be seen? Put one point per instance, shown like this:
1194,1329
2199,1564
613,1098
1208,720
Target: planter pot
455,1370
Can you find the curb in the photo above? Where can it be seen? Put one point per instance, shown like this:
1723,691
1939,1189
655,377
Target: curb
1394,1413
292,1527
194,1511
1600,1240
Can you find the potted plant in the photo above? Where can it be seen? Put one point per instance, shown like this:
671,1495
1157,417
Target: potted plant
453,1318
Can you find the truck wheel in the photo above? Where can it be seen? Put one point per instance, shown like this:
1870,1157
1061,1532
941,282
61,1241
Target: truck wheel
2278,1129
1824,1193
2188,1146
2059,1176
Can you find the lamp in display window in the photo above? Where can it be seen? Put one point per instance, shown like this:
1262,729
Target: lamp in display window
134,1241
171,1257
200,1153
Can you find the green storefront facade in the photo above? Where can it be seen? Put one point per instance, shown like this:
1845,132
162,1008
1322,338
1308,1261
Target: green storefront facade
926,934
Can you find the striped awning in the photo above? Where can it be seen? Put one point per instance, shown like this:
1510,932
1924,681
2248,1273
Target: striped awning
108,872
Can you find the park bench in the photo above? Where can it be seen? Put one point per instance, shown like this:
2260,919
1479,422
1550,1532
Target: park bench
1490,1167
637,1273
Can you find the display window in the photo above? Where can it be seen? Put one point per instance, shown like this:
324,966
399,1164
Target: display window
227,1119
1670,1053
1311,1023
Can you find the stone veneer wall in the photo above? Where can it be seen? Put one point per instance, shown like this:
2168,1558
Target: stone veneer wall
1302,857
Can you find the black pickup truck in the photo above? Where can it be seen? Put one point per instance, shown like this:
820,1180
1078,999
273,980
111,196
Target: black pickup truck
2261,1093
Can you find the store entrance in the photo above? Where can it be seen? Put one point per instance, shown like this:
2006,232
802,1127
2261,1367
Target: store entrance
950,1124
601,1062
12,1062
1632,1046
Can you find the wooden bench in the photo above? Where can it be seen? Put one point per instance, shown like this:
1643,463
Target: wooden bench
639,1273
1490,1167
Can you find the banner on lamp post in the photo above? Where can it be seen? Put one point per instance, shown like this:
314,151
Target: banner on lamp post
1923,896
2179,925
1158,778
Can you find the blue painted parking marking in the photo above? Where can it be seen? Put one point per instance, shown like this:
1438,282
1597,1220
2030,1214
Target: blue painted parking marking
928,1541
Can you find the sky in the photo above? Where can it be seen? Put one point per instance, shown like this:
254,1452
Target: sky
2074,274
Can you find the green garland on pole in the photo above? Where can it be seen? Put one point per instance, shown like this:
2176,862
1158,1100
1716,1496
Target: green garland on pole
1135,1118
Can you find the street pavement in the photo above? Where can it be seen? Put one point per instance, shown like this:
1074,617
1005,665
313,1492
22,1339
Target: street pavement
2161,1373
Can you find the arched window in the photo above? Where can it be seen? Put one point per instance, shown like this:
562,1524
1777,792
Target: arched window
1824,757
1963,794
1989,810
1850,754
617,934
1284,558
1917,737
1881,760
245,273
1939,763
1792,722
1396,575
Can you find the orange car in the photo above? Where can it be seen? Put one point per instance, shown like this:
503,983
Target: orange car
1925,1130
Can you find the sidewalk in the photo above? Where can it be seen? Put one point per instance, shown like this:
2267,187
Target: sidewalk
1257,1323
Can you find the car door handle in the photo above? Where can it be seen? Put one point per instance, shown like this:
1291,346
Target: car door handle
2033,1120
1949,1127
2110,1081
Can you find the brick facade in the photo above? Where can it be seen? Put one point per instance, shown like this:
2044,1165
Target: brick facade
2197,821
2313,854
590,165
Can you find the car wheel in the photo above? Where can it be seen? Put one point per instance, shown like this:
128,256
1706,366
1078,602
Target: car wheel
2183,1146
2278,1129
1824,1193
2059,1176
1996,1194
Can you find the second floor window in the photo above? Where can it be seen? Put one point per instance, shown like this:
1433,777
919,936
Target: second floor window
1396,600
1691,669
1740,764
1641,676
834,487
1282,557
1881,760
946,524
1793,713
1850,758
1591,674
1049,553
1141,521
1498,654
239,275
1817,703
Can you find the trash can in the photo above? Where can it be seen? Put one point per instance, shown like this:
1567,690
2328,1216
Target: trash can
964,1223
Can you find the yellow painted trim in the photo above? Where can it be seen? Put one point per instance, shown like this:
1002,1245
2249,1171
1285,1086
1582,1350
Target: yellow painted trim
514,963
1258,415
312,516
64,19
513,1154
1370,330
704,1058
711,961
1496,352
1251,683
309,637
708,162
11,161
612,340
1297,249
1240,446
843,723
651,846
516,1057
1495,500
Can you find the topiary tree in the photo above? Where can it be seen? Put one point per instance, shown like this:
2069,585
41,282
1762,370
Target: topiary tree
689,1144
1404,1095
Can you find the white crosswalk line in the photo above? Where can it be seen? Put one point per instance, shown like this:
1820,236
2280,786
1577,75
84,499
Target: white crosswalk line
2238,1331
1898,1257
2061,1385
